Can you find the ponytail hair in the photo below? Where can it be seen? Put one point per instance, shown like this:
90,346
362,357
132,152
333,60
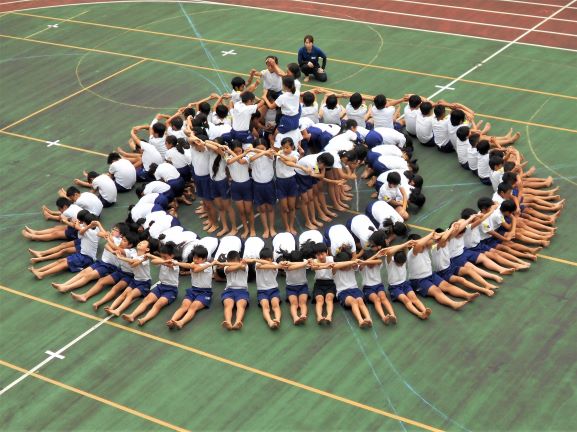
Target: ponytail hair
289,83
181,144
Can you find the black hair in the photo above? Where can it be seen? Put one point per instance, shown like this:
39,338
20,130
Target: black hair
71,191
509,177
394,178
170,140
204,107
457,117
494,161
169,248
237,82
356,100
139,191
131,238
233,256
261,141
181,145
89,217
275,58
159,129
467,213
417,198
439,230
379,238
331,101
266,253
414,101
307,249
414,236
483,147
289,83
91,176
234,144
463,132
380,101
400,229
504,188
343,256
309,38
112,157
400,257
417,180
152,168
439,110
63,202
188,111
508,206
361,152
426,108
474,139
326,159
413,165
287,140
176,123
246,96
351,155
508,166
350,123
308,99
221,111
320,248
200,252
484,203
294,69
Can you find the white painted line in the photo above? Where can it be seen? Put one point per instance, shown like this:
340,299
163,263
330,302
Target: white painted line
444,87
53,355
231,52
53,143
58,356
496,53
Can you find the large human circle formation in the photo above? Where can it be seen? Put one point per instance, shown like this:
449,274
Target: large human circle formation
247,159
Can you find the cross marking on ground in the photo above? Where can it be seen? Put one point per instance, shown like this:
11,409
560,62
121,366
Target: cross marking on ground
231,52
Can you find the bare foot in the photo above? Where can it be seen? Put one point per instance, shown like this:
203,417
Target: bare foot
227,325
318,223
222,232
233,232
294,231
33,253
179,325
428,312
58,287
35,260
459,305
140,322
473,296
310,226
300,320
78,297
386,320
393,319
237,325
507,271
265,235
252,233
272,232
128,318
244,235
170,324
212,229
36,273
95,306
489,293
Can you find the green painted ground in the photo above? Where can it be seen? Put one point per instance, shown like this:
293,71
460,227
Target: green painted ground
506,363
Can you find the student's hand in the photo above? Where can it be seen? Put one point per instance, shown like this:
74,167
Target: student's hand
226,96
309,64
320,70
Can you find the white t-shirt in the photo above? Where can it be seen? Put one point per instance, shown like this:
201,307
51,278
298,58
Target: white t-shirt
371,275
156,187
221,170
283,170
357,114
456,246
252,247
237,279
72,211
483,168
105,187
90,202
387,193
289,103
441,131
391,137
419,266
294,134
124,173
172,234
383,118
141,271
344,280
218,130
344,141
310,112
411,119
396,274
314,235
388,150
472,157
159,144
262,169
141,210
296,277
271,80
169,276
166,172
424,127
339,235
393,162
202,279
177,159
266,278
284,241
462,149
89,242
150,155
324,274
332,116
241,115
200,161
239,172
211,244
496,178
440,257
381,212
362,228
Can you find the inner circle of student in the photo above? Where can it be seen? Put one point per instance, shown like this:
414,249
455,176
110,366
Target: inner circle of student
238,160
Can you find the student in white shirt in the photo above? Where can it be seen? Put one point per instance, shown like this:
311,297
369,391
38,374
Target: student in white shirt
356,109
310,107
331,111
424,124
297,289
462,146
102,186
497,171
236,292
66,210
261,160
410,113
241,186
122,171
86,200
385,136
382,112
441,129
242,112
143,153
396,197
289,103
338,237
179,156
286,183
472,154
169,174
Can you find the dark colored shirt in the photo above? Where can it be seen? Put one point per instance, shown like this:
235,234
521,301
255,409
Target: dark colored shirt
304,57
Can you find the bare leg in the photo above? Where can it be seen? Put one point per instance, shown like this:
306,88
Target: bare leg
154,310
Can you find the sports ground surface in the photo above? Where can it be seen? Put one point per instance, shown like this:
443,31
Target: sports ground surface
506,363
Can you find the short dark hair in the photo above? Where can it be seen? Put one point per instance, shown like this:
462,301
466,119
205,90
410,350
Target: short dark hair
426,108
400,229
266,253
113,157
159,129
504,188
308,98
394,178
331,101
494,161
200,252
457,117
63,202
221,111
71,191
350,123
439,110
246,96
484,203
463,132
400,257
177,123
483,147
237,82
356,100
508,206
414,101
326,159
380,101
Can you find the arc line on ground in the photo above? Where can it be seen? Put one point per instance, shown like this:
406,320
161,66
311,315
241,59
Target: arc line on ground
52,356
173,63
232,363
268,50
92,396
499,51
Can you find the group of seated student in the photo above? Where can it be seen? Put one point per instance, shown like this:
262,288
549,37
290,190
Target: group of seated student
277,152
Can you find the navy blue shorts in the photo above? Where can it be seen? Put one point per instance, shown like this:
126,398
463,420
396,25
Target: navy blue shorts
369,212
373,139
351,292
268,294
378,185
449,271
297,290
379,168
287,187
289,123
430,143
241,191
169,292
201,295
77,244
264,193
177,186
305,183
143,176
485,180
464,165
372,157
105,203
103,269
481,248
78,261
220,189
372,289
467,256
142,286
185,173
396,290
203,187
491,242
71,233
121,188
244,137
235,294
422,286
120,275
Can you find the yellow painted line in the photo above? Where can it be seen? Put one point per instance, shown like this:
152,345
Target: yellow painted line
228,362
190,66
26,137
277,51
23,119
61,20
92,396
